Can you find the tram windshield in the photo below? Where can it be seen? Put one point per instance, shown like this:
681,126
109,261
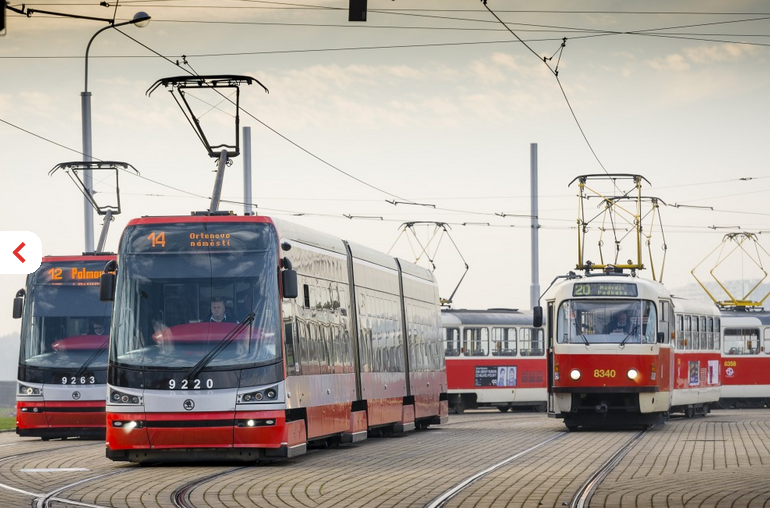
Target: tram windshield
65,324
607,322
197,295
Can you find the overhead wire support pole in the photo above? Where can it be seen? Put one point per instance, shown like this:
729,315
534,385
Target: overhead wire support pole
140,19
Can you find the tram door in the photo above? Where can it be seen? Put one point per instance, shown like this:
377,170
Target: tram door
550,322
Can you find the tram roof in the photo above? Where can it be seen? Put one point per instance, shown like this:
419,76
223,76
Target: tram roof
101,256
451,317
733,318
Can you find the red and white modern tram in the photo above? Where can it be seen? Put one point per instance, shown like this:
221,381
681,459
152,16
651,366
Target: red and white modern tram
745,358
323,340
63,354
494,358
624,351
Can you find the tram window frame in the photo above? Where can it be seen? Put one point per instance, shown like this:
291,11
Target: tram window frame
455,339
664,321
696,341
529,338
765,339
502,338
475,339
743,346
679,332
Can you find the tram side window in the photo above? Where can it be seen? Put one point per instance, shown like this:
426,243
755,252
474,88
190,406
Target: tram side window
710,333
452,338
741,341
663,322
476,341
717,334
504,341
765,338
679,332
688,333
531,342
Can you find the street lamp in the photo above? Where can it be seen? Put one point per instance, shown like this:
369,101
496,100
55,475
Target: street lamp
141,19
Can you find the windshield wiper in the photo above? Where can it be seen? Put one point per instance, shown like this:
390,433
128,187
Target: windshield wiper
633,330
579,331
221,345
93,357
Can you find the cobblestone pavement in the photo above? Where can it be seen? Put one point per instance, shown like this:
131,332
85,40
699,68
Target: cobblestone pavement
718,461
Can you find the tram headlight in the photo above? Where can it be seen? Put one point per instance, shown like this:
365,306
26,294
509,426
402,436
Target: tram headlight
574,374
128,425
30,390
264,395
117,397
632,374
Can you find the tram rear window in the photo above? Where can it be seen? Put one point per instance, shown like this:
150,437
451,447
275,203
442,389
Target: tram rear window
604,289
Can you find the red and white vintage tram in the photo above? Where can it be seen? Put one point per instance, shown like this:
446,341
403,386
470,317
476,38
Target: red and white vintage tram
494,358
745,358
624,351
63,353
324,341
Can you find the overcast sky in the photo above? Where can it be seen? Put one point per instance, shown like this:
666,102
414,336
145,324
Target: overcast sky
433,102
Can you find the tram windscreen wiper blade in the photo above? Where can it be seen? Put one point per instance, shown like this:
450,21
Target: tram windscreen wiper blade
221,345
93,357
633,330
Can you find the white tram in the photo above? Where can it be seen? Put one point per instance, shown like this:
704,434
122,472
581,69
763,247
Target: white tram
604,370
325,341
494,358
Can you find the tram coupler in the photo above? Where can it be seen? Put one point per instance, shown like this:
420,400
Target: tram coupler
601,408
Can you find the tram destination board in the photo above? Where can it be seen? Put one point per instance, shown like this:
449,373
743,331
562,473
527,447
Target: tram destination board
604,289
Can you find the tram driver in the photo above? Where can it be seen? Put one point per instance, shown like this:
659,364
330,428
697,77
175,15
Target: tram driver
219,312
620,323
98,328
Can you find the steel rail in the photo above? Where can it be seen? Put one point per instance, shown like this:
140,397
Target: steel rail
583,495
444,498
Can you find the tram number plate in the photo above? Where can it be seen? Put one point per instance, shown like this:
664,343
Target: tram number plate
190,384
604,373
68,379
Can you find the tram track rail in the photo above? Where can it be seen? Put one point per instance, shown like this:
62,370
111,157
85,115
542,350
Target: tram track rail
180,498
446,496
582,497
44,500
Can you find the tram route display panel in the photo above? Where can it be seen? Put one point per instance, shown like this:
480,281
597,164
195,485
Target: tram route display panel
605,289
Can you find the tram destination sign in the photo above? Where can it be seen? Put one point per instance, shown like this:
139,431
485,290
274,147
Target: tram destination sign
605,289
200,237
70,273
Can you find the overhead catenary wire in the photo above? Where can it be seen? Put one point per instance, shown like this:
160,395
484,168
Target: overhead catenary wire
555,72
197,195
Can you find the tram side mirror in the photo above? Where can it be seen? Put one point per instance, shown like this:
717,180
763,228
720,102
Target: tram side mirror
289,283
661,337
18,303
107,282
289,278
537,316
107,287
